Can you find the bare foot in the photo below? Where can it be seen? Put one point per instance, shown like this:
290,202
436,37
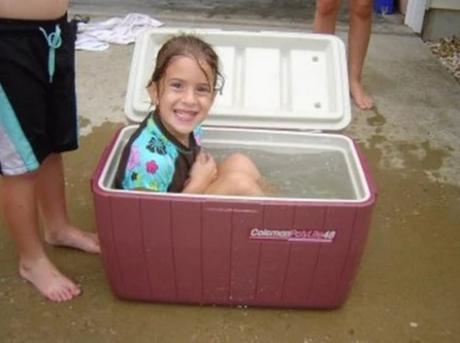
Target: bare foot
360,97
48,280
74,238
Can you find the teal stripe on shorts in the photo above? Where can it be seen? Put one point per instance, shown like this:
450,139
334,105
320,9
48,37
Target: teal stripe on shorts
16,154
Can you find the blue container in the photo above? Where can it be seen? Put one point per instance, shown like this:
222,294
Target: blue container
384,6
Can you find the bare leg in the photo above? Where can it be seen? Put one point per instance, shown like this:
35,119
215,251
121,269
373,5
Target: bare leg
326,16
235,183
238,175
18,199
358,41
239,163
51,196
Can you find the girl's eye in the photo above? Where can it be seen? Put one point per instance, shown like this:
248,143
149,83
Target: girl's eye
203,90
176,85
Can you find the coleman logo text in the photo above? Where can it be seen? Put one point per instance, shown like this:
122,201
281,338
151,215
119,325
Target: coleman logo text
326,236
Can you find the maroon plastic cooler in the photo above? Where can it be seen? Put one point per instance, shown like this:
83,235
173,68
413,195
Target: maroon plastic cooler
299,249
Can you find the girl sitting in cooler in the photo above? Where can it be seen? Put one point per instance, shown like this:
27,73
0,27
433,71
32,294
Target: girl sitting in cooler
164,153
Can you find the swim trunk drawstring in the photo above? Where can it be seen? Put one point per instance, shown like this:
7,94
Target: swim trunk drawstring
54,41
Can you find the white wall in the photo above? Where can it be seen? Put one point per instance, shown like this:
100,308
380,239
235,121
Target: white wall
415,14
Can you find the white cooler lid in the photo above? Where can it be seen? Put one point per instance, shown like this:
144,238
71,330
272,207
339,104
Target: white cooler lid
279,80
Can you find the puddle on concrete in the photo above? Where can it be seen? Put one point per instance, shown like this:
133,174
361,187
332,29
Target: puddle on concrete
84,123
424,156
424,151
377,119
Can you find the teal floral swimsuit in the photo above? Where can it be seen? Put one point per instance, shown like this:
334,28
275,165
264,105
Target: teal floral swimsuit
155,160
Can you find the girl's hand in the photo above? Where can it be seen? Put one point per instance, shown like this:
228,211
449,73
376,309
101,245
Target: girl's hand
202,173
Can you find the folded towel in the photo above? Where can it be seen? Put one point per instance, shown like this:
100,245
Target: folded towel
98,36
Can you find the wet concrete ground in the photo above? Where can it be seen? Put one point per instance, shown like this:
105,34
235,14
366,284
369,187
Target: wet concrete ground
407,286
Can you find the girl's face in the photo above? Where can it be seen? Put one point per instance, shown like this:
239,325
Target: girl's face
183,96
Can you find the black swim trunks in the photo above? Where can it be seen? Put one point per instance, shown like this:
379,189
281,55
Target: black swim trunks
38,113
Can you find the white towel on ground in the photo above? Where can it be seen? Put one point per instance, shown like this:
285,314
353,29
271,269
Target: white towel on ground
98,36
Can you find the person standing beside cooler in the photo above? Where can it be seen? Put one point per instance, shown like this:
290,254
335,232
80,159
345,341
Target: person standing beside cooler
360,22
38,121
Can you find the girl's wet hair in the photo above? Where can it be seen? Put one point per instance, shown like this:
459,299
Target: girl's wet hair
191,46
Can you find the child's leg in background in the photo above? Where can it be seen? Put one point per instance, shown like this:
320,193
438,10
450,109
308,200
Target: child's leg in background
358,41
326,16
360,20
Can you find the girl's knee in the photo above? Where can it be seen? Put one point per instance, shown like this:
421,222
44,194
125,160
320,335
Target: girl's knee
243,184
238,162
238,159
